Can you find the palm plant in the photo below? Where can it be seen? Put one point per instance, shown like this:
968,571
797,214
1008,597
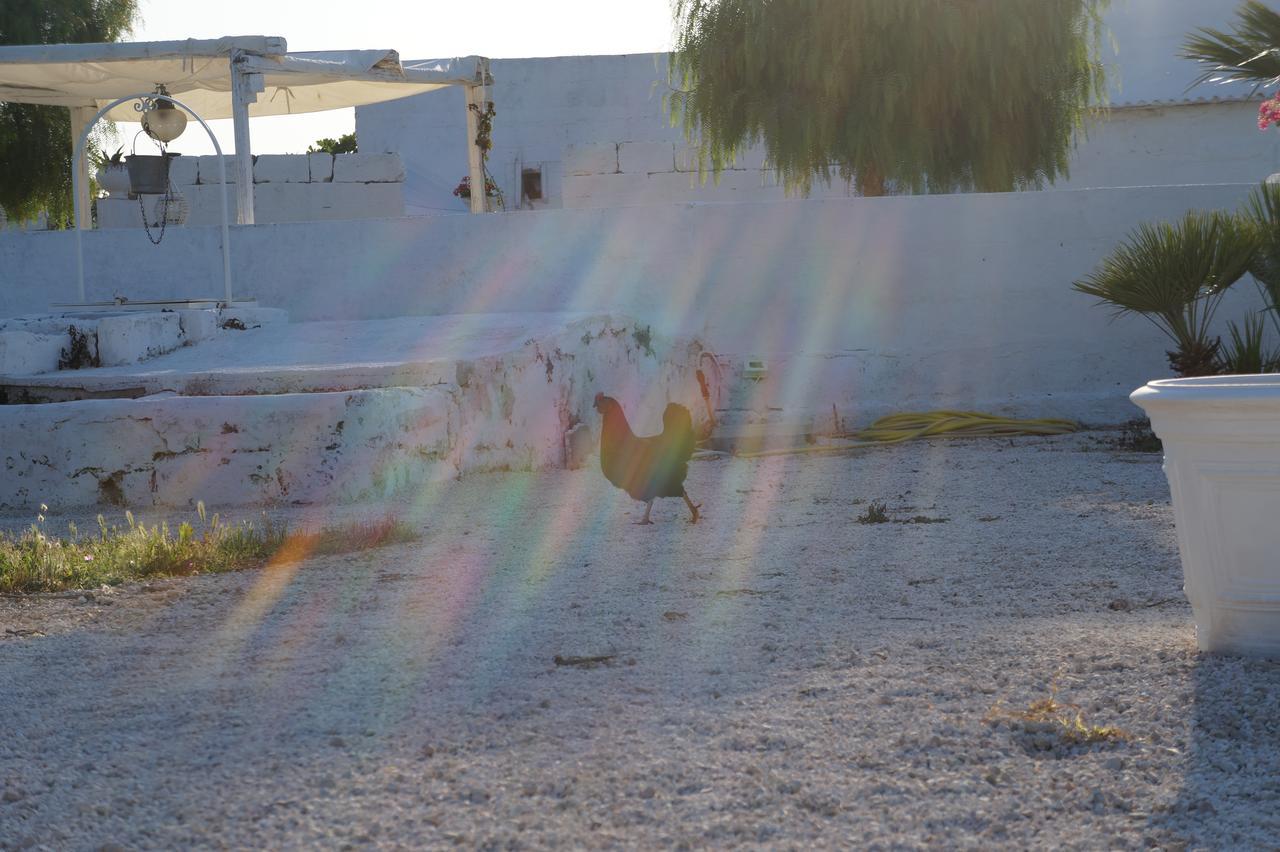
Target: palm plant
1175,275
1263,210
1251,52
1246,353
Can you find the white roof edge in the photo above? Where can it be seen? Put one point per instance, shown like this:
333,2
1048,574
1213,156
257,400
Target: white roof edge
464,70
1184,101
124,51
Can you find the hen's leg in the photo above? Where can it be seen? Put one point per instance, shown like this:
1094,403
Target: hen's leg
645,520
693,507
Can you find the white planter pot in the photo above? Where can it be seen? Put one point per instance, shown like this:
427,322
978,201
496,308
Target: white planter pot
115,180
1221,437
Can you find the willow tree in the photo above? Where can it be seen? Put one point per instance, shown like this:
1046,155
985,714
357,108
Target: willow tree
903,95
35,140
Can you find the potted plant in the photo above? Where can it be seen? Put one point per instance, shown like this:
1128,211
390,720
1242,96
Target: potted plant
1220,431
1221,437
112,174
463,189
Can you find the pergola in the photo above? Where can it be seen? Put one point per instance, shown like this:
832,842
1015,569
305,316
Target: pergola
236,77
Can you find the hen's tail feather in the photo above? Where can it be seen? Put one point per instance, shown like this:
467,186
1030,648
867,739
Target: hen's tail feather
677,428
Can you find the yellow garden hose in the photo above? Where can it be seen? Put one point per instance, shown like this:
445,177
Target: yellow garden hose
930,424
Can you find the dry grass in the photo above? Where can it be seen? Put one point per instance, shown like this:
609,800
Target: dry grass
33,561
1049,720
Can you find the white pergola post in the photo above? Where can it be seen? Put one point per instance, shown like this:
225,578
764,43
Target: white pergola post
245,86
82,118
475,165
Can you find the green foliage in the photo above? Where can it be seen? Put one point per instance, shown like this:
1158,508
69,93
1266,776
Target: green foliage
1263,209
344,144
905,95
1175,275
1250,52
35,562
1246,352
35,141
876,513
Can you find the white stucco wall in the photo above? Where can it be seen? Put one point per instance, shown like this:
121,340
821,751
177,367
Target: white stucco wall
546,108
286,188
865,303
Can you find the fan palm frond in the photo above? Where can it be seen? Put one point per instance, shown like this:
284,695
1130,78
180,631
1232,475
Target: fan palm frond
1246,352
1251,52
1175,275
1263,208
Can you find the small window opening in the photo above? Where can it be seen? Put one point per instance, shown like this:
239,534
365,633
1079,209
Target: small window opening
531,184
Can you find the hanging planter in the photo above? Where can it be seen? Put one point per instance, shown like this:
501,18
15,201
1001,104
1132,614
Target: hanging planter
1221,437
149,173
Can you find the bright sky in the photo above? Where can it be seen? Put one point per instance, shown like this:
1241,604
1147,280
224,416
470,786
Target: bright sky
499,29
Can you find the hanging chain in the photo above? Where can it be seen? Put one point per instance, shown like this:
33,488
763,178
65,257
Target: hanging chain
164,202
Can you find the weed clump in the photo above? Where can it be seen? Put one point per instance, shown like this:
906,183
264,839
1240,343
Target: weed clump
80,355
1136,437
876,513
1048,725
33,561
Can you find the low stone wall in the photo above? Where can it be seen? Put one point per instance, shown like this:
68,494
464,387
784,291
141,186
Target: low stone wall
526,406
287,188
174,451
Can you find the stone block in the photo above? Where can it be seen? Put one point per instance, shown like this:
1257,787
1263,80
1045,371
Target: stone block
209,169
130,338
607,190
120,212
198,325
320,167
184,171
646,157
752,159
281,168
368,168
592,158
23,353
686,158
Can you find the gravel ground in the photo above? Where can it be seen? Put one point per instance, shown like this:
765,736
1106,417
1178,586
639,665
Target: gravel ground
777,676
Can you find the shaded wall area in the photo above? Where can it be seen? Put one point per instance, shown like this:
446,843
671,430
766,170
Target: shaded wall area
864,304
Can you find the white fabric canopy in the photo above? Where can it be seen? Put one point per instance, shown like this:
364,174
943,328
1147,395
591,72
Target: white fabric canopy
198,73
